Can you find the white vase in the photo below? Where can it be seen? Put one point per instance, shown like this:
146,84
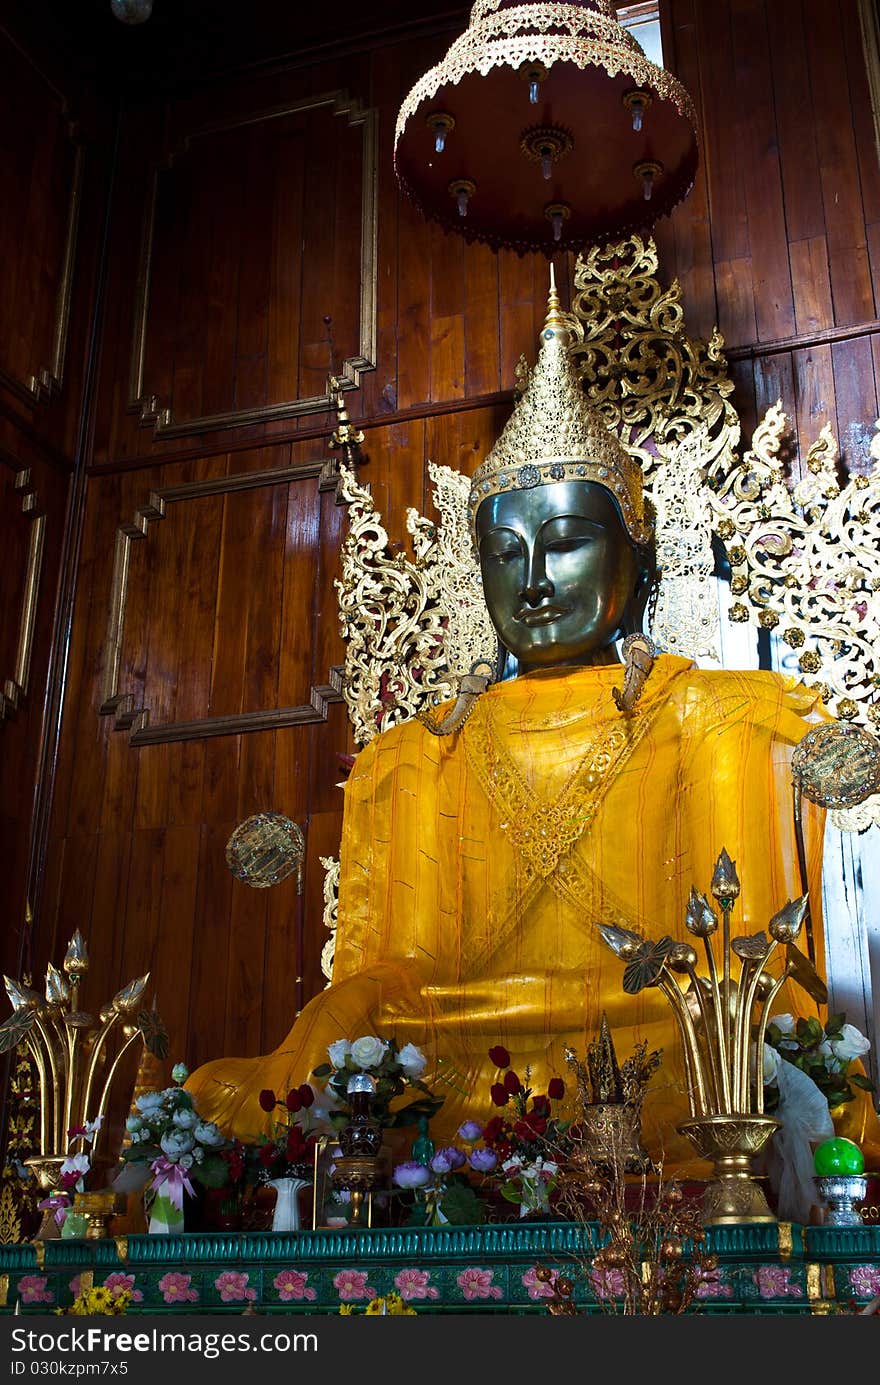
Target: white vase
286,1216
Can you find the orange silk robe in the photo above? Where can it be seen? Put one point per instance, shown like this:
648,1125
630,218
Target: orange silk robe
474,869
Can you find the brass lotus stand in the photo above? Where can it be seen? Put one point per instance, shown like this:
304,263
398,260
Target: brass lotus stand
359,1175
75,1062
721,1032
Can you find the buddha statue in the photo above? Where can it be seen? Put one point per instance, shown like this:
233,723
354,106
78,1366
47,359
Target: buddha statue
482,844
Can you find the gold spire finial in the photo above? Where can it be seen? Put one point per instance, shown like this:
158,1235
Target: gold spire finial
555,434
555,319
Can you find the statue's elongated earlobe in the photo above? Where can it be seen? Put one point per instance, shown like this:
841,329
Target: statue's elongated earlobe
471,687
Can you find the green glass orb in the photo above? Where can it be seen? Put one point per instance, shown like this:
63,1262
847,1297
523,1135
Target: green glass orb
838,1156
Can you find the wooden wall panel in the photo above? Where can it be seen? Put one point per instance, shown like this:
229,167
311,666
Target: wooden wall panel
42,182
55,139
231,608
32,505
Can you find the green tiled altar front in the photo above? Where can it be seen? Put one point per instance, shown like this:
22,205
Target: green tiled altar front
761,1269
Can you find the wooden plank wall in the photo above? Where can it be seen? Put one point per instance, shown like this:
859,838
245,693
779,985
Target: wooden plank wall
230,608
54,181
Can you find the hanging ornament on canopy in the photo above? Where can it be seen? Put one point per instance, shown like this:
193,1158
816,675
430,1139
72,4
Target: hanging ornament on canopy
546,128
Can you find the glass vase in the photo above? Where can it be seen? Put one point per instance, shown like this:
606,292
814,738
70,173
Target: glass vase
165,1218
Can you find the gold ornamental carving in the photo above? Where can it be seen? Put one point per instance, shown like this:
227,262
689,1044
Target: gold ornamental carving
805,564
412,625
330,914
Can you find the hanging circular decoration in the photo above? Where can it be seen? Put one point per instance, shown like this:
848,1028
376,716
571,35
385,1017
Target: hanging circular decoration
570,71
265,849
837,766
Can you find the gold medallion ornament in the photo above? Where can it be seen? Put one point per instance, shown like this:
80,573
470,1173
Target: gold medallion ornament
265,849
837,766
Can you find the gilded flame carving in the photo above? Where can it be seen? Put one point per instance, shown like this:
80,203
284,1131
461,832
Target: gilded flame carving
411,625
330,914
805,563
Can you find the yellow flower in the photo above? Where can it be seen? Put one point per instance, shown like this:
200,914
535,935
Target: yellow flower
346,1310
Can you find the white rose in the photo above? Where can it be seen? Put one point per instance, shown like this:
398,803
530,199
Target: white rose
368,1052
412,1060
770,1064
207,1133
175,1143
185,1120
850,1044
784,1023
832,1062
133,1124
339,1052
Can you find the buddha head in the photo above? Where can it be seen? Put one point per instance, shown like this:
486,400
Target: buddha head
558,521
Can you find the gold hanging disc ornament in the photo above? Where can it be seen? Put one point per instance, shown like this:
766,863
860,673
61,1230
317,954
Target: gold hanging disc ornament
541,106
265,849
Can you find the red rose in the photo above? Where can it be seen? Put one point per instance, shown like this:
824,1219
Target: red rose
536,1123
267,1155
512,1084
306,1095
293,1101
540,1105
556,1089
499,1056
499,1094
296,1145
267,1099
524,1131
494,1129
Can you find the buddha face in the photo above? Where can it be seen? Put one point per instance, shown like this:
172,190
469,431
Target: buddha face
559,571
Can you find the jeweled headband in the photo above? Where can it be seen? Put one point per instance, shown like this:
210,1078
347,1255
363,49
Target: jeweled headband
554,434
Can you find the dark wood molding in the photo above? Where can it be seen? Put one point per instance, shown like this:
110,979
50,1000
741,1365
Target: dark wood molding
47,377
123,707
159,413
13,688
758,350
216,448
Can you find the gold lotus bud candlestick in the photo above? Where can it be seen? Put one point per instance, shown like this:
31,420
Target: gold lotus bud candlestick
722,1023
74,1058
